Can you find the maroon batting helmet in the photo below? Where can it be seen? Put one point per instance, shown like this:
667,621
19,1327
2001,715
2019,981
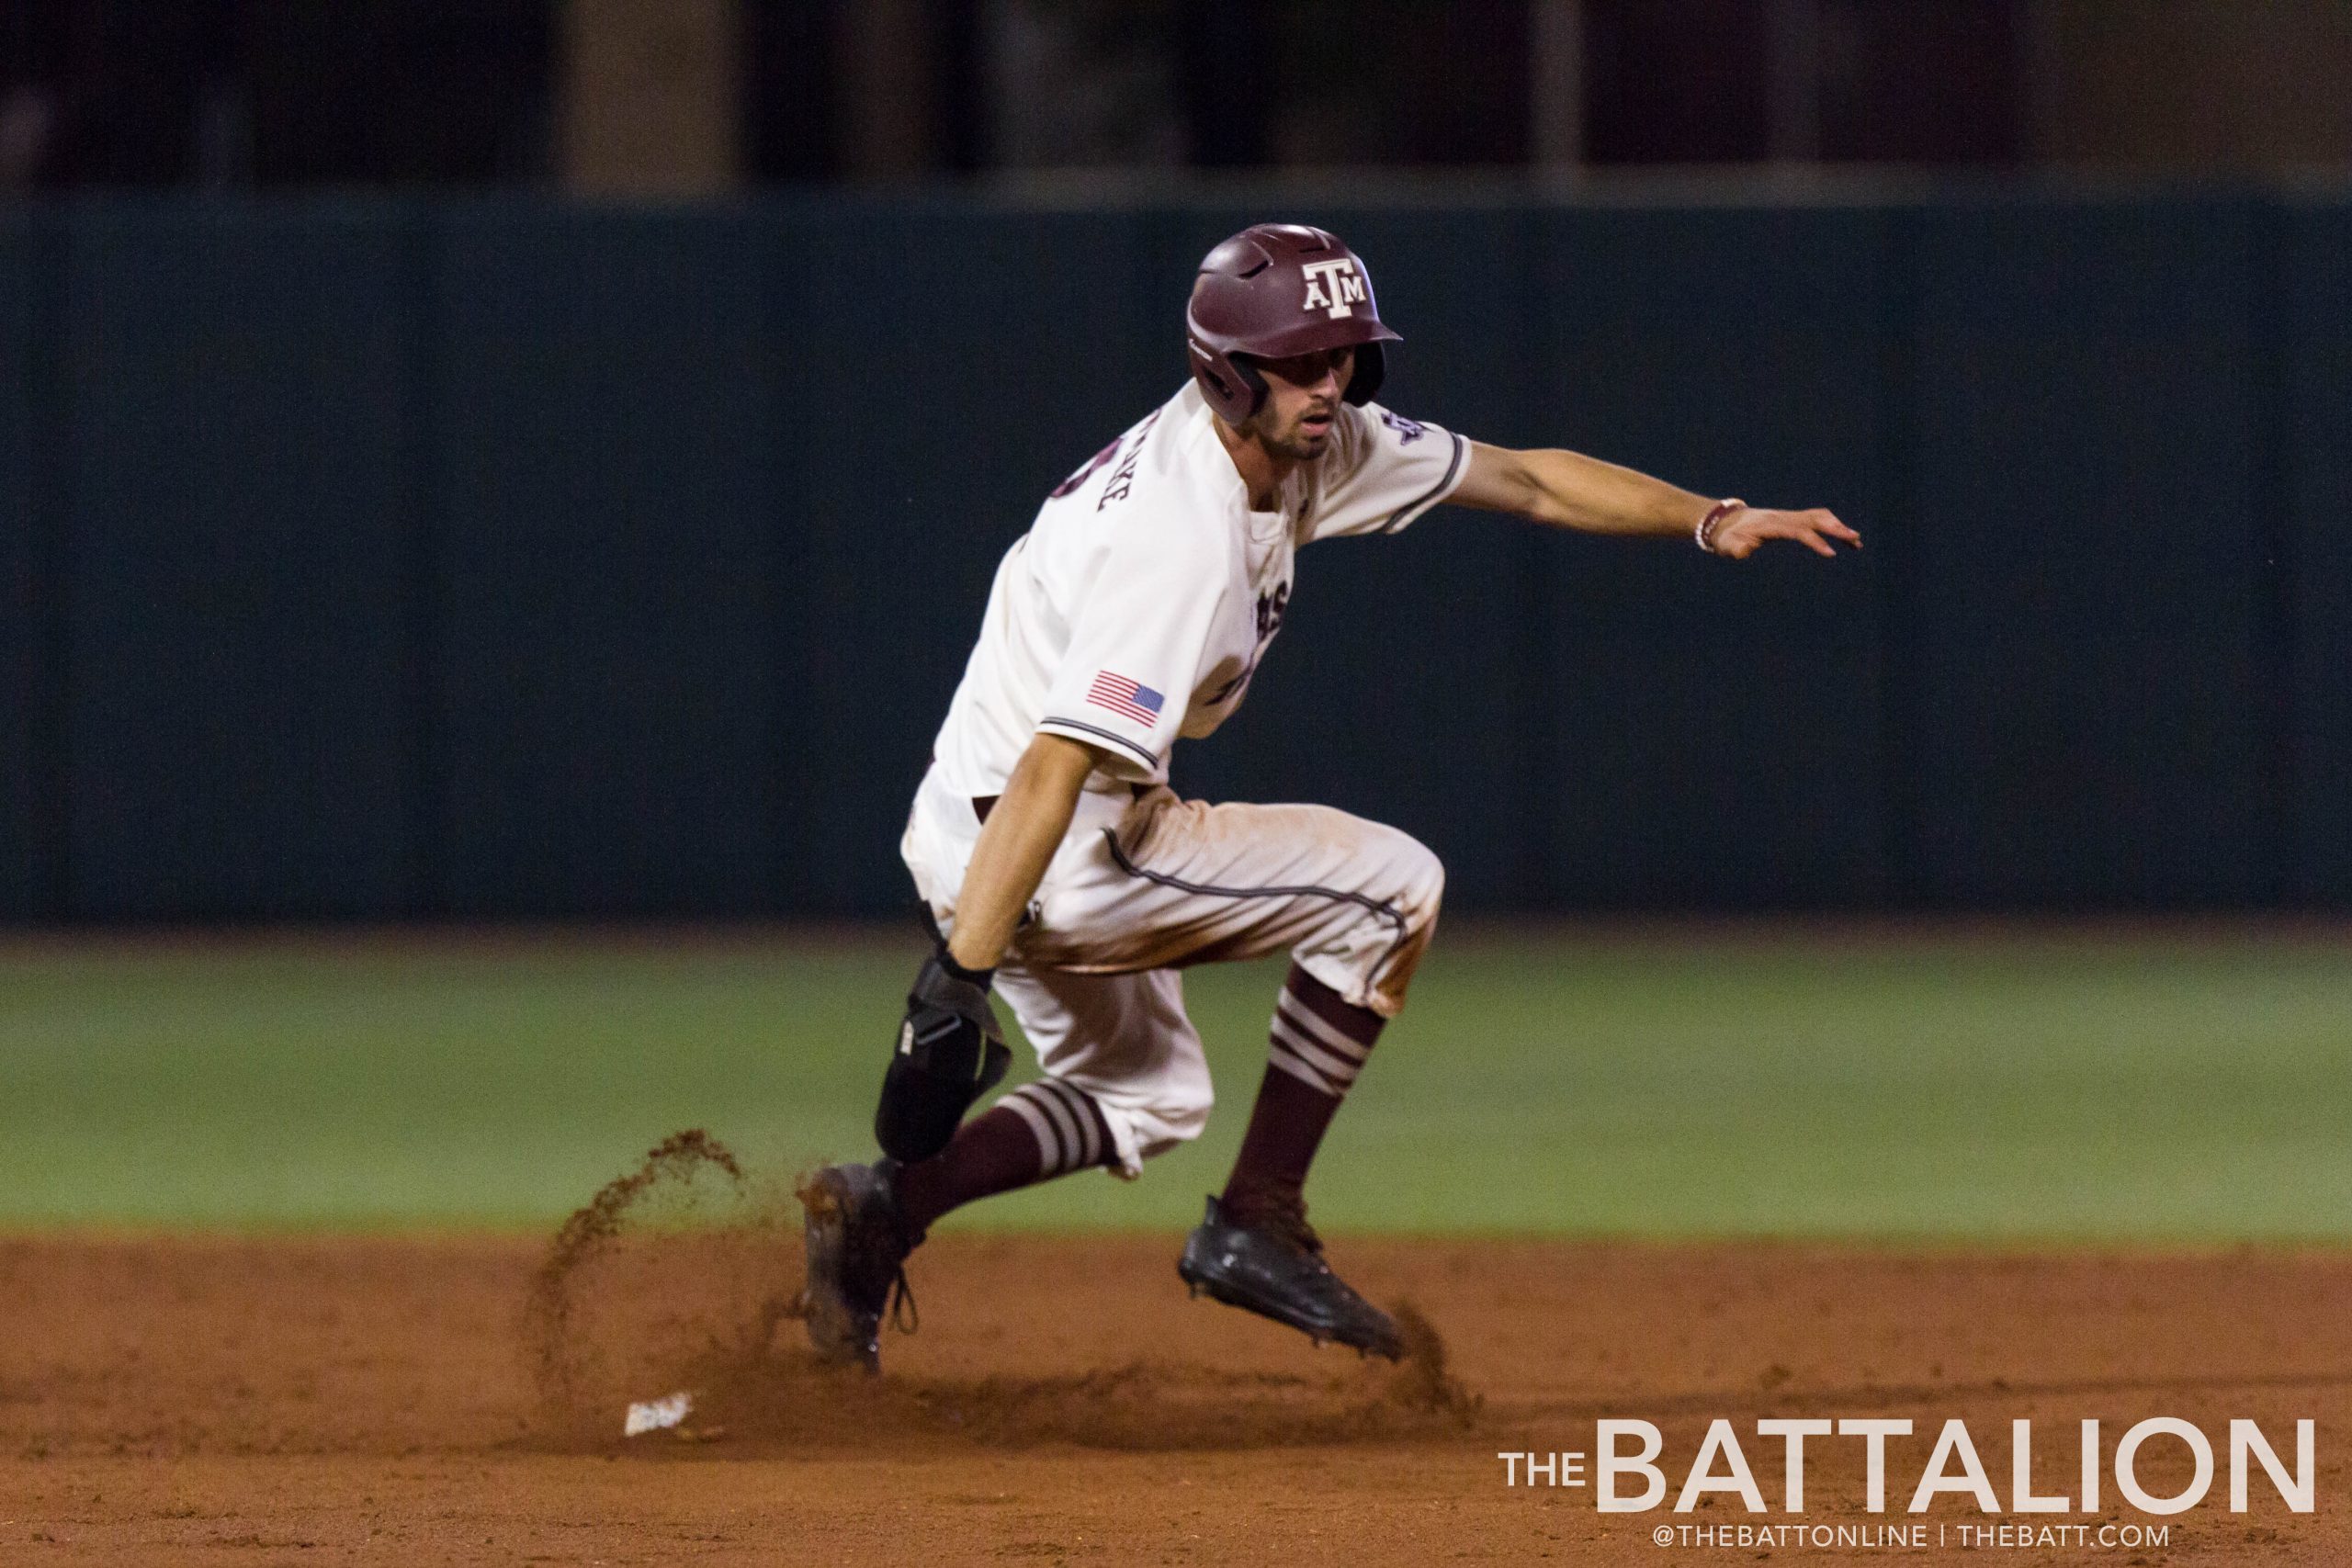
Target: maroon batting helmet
1272,290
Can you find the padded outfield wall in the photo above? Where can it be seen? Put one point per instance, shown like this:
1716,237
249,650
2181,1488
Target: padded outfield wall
498,558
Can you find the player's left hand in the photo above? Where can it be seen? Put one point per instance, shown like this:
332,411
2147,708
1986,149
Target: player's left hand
1738,535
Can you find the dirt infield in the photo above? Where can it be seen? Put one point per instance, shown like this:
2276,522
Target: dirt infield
448,1400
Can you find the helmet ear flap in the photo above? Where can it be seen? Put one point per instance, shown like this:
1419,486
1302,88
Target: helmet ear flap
1233,388
1251,381
1219,384
1371,368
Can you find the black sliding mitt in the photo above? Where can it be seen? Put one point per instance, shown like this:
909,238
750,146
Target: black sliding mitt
950,1051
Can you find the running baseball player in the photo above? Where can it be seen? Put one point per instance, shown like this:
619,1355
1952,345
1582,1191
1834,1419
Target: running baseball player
1061,871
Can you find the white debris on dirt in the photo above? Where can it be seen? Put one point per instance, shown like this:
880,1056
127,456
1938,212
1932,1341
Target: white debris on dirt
657,1415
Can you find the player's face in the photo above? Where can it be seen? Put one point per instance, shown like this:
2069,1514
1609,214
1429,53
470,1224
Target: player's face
1303,396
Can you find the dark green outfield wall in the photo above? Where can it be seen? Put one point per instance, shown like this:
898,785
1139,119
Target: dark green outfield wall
502,559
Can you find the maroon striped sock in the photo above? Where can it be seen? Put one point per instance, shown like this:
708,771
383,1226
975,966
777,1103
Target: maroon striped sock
1319,1043
1040,1130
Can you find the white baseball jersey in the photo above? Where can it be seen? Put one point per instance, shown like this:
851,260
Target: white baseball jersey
1136,607
1134,611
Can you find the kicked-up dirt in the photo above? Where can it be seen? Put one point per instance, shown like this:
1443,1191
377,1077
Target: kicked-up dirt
459,1399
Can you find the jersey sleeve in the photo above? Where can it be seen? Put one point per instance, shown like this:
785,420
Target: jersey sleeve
1387,471
1135,648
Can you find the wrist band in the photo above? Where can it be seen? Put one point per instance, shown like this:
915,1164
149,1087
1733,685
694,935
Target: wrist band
1705,532
983,978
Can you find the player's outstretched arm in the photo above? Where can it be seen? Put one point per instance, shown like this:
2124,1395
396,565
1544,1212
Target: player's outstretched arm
1568,490
1017,844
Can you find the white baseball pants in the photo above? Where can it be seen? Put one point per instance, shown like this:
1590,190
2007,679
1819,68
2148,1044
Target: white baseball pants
1144,887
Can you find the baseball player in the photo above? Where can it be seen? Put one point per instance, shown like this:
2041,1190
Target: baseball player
1062,872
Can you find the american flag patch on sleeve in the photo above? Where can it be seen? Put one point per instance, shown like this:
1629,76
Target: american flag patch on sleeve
1128,699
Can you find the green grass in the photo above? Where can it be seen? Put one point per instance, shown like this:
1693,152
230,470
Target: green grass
2167,1087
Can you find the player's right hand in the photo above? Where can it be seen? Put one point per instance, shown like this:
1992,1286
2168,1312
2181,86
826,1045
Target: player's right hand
950,1051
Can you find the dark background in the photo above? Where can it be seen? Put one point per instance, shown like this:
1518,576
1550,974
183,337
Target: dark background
457,463
712,94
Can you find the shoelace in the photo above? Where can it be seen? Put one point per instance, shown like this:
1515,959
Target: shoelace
1286,1217
903,1297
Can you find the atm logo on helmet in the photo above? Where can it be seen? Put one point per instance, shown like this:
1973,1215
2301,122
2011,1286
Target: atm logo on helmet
1335,287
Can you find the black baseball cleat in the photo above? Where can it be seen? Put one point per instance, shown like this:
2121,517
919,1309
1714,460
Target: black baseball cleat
857,1249
1272,1264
